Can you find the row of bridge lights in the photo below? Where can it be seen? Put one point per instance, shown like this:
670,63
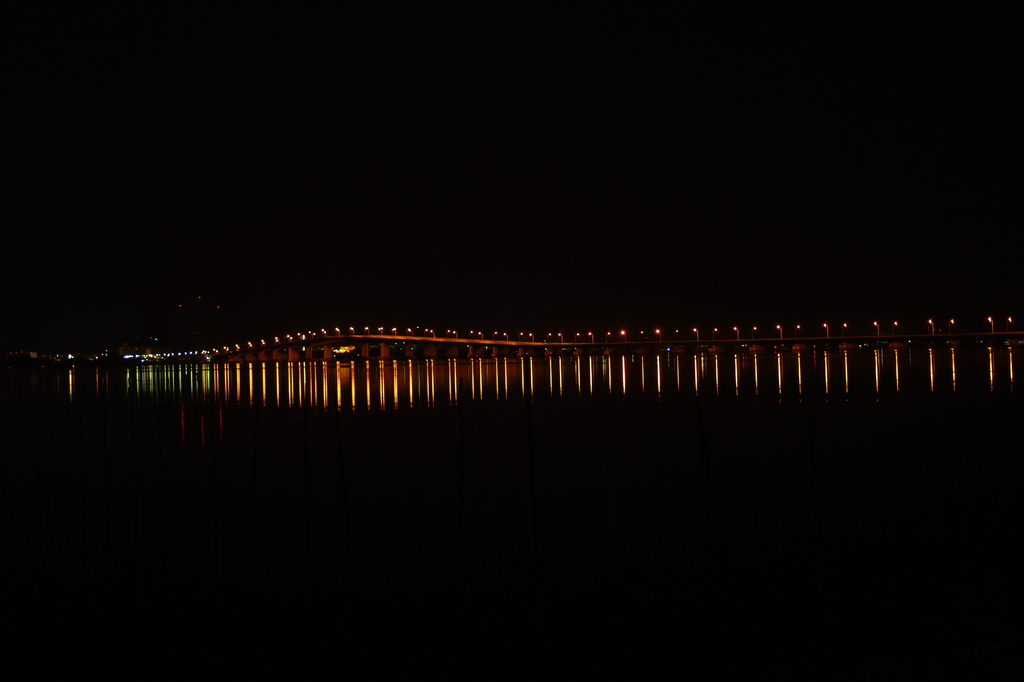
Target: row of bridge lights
607,335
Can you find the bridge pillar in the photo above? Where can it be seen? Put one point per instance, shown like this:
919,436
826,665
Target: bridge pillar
293,354
430,350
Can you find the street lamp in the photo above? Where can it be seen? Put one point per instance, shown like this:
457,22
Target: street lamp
991,324
843,332
623,333
737,330
826,330
878,332
1009,321
752,330
951,326
714,331
697,333
894,325
796,332
658,332
779,327
932,323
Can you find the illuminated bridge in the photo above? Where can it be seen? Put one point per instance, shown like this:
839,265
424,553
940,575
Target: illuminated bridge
340,345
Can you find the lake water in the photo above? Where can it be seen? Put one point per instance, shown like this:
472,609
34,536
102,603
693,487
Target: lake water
817,510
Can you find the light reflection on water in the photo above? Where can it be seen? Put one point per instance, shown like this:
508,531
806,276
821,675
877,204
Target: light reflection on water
396,384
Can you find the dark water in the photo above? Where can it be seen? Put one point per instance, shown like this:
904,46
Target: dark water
828,514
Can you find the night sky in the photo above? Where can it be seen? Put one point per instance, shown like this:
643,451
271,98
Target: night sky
507,171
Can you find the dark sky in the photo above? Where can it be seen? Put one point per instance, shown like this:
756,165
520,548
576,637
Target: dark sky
508,171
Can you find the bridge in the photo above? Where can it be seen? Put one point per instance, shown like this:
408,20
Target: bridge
340,345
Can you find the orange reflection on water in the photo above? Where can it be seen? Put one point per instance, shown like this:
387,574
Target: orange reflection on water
778,362
369,390
756,390
529,373
799,373
991,371
394,383
561,372
736,371
931,369
658,369
826,371
716,373
952,365
288,369
877,370
896,362
696,377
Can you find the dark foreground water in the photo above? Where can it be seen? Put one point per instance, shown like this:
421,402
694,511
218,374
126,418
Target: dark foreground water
843,516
